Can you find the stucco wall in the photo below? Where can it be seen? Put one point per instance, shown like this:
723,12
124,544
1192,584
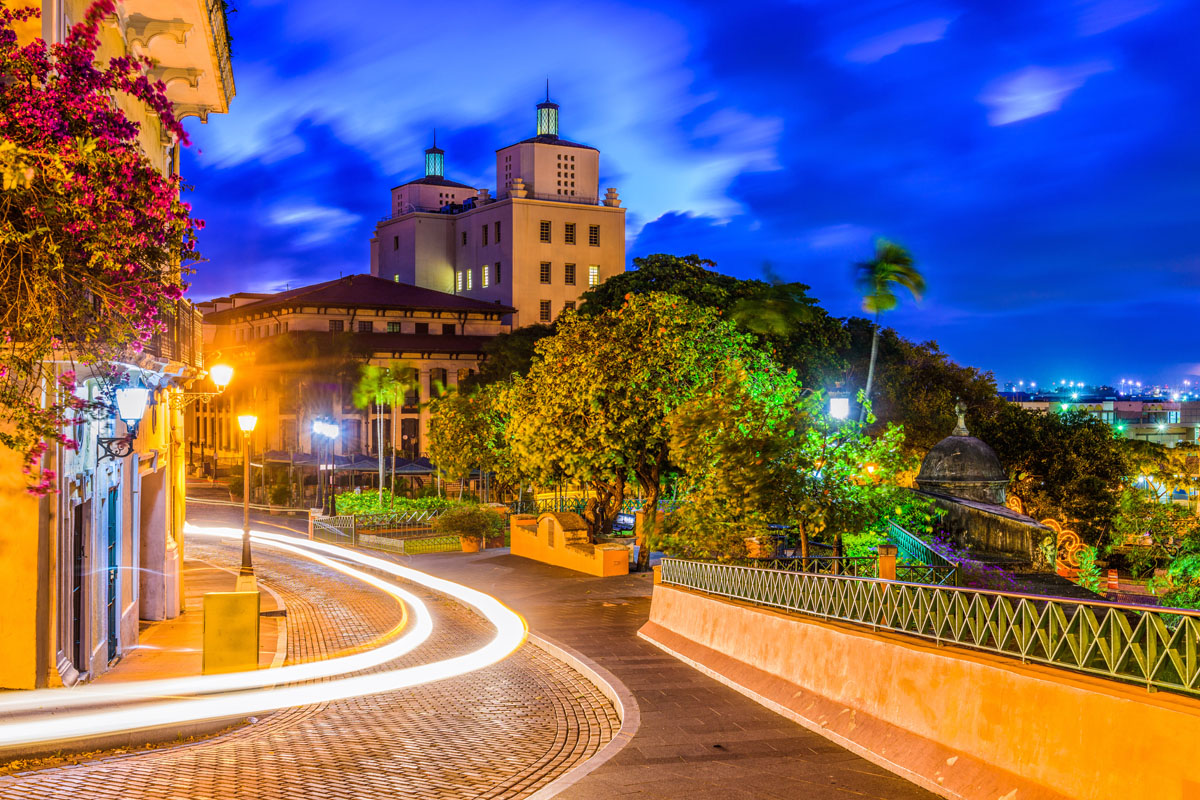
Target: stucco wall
962,723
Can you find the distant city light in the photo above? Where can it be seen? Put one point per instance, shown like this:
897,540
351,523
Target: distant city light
1075,395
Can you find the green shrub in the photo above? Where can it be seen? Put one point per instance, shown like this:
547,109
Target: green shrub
236,486
368,503
281,494
1089,576
469,520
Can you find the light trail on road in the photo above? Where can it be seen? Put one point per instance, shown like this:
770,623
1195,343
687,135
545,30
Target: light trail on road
54,725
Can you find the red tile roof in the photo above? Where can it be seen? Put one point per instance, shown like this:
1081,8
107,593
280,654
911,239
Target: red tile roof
364,291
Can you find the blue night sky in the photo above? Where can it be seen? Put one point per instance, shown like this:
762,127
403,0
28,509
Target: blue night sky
1039,157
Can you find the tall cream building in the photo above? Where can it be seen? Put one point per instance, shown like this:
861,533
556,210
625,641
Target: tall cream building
543,240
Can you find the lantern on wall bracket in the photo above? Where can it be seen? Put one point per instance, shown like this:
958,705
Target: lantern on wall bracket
221,375
130,402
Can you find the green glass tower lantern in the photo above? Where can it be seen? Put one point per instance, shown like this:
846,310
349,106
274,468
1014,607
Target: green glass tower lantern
435,160
547,116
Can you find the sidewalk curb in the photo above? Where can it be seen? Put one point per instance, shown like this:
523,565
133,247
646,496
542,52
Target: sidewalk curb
611,687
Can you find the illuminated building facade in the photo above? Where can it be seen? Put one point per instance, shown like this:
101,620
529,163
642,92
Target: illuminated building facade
329,330
543,240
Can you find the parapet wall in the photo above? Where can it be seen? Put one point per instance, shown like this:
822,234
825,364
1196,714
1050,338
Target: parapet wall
561,539
961,723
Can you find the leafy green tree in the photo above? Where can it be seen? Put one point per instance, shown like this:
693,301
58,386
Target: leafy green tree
916,385
1155,532
376,385
505,355
594,407
466,432
758,449
877,279
1065,465
782,316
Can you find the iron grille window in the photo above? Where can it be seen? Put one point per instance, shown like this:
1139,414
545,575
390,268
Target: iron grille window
337,325
470,275
569,275
594,235
545,230
464,238
594,275
544,272
483,234
497,232
569,233
393,327
366,327
569,305
497,273
544,311
483,276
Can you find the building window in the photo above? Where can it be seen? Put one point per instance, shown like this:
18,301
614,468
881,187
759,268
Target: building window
497,273
276,328
422,327
393,327
497,236
448,329
483,234
336,325
483,276
396,278
569,305
544,311
470,275
458,281
594,275
569,275
544,272
545,230
395,242
594,235
464,235
569,233
366,327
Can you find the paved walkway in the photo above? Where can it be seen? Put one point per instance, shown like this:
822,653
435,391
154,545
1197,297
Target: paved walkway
174,647
698,740
501,732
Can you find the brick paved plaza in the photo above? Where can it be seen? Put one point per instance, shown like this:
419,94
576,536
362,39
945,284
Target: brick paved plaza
501,732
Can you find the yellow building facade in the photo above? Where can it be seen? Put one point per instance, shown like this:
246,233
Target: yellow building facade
81,567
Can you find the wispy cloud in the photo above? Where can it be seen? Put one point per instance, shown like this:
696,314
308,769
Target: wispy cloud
317,224
1098,16
1034,91
873,49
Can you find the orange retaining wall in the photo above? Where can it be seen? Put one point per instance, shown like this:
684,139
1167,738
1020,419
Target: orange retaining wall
544,541
961,723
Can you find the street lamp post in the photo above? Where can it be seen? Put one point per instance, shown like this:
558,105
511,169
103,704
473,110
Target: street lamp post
246,581
329,432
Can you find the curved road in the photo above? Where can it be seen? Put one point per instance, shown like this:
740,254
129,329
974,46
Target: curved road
500,732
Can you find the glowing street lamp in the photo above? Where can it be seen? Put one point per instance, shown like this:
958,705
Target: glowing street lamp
221,375
839,407
246,582
329,431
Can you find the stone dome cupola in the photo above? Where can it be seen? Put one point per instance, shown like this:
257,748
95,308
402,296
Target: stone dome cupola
962,466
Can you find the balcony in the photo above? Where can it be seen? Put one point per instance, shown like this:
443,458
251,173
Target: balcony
181,342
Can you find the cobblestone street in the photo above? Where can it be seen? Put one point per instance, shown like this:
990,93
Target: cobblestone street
501,732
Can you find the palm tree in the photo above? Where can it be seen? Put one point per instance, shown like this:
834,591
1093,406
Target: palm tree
374,385
877,279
